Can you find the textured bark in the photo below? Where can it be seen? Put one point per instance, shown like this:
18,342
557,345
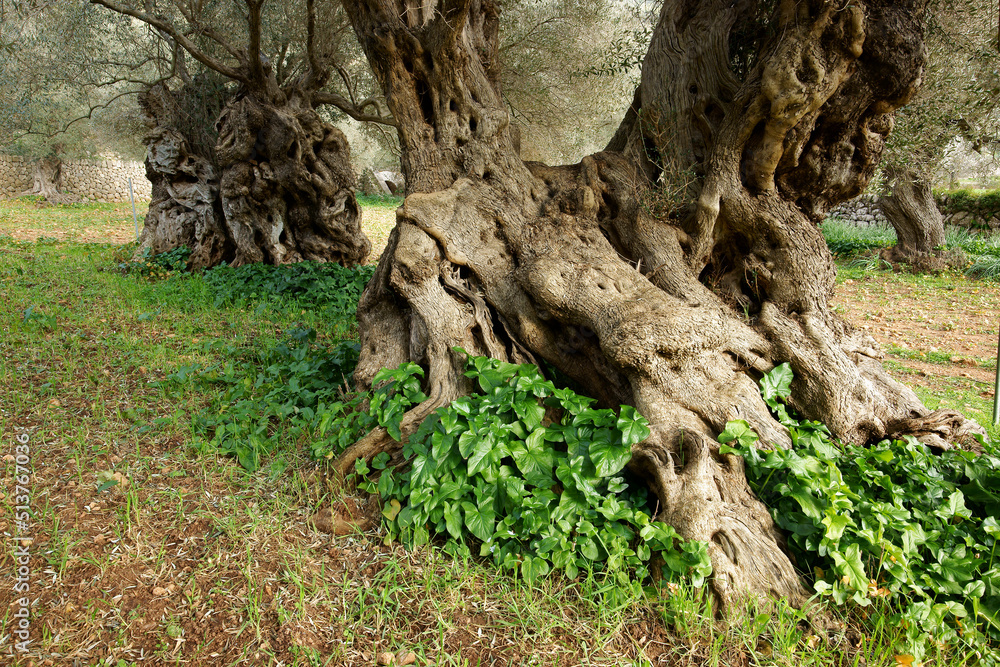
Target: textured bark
275,185
184,209
668,272
288,189
46,177
911,210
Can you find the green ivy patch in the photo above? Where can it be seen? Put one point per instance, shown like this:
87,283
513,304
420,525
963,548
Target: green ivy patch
291,392
534,476
892,521
326,287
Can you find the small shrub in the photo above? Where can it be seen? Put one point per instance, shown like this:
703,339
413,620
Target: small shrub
157,266
870,261
985,267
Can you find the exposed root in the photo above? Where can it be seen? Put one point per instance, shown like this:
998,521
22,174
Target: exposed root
941,430
378,440
922,262
705,497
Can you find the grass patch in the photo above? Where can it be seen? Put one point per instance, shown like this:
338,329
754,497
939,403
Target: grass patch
940,358
858,244
380,201
187,557
28,218
985,267
958,394
845,239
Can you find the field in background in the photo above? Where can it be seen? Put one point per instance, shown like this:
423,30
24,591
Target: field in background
146,552
30,219
378,217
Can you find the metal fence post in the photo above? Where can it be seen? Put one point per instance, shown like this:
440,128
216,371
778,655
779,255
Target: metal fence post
131,197
996,388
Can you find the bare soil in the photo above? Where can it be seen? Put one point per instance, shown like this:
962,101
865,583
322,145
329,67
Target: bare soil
933,329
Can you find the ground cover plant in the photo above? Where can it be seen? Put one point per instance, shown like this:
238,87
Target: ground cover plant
846,240
151,547
487,468
328,289
894,521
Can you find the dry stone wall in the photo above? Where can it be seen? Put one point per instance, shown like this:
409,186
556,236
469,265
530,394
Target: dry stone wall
979,211
106,180
95,180
15,175
863,211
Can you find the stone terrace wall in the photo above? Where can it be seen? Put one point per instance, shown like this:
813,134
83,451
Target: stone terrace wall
862,211
97,180
15,175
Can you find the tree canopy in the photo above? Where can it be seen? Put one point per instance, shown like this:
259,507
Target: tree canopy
960,91
46,108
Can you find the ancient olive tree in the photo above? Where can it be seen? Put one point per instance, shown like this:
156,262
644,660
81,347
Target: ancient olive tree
283,175
669,271
185,208
957,101
46,113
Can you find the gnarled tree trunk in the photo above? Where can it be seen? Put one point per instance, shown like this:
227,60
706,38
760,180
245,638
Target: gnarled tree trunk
47,179
184,208
678,313
288,189
275,185
910,209
285,182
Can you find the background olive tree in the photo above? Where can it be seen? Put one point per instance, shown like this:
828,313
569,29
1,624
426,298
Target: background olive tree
50,107
956,106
